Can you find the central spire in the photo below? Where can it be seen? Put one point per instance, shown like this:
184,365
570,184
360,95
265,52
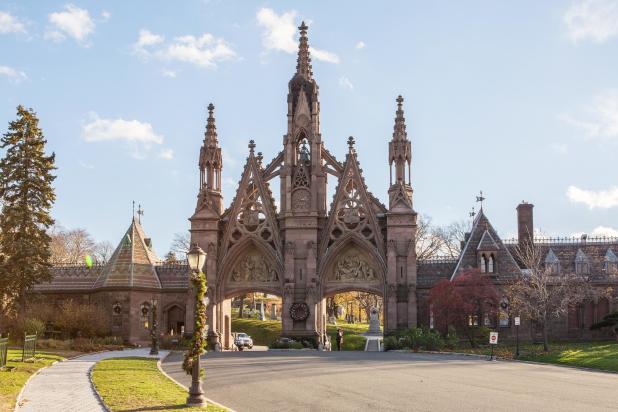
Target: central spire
303,67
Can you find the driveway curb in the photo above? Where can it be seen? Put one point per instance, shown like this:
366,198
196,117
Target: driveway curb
183,386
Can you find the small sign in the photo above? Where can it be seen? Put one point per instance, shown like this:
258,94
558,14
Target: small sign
517,321
493,338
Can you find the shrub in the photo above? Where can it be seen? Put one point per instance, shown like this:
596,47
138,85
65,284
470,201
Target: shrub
451,340
431,340
82,320
391,343
33,325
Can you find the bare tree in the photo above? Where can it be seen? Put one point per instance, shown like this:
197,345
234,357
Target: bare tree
542,294
103,251
71,246
435,241
181,244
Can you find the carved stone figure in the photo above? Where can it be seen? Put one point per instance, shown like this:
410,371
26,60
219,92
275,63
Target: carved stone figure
352,267
254,268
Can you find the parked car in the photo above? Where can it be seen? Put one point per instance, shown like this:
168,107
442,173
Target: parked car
242,340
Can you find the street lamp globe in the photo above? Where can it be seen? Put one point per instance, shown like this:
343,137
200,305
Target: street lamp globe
196,258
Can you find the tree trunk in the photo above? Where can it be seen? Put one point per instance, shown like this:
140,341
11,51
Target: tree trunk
545,334
242,304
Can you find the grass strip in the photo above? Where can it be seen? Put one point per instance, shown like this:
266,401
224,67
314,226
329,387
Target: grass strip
136,384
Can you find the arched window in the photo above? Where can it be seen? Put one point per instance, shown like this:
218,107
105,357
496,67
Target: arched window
490,264
483,263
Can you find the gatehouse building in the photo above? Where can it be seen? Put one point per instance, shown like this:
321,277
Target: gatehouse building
309,247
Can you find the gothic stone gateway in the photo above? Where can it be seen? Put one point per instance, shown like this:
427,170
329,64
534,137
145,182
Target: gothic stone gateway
307,250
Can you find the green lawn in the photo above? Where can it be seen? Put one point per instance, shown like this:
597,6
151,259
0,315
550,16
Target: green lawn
352,339
136,384
265,332
597,355
12,381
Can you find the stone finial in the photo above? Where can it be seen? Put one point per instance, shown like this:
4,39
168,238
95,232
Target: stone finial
351,142
303,66
260,158
399,102
251,145
211,109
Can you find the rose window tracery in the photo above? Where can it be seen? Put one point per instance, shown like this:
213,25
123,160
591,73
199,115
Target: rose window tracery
251,217
351,214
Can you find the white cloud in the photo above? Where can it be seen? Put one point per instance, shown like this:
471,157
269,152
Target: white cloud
105,15
167,154
205,50
10,24
345,82
280,34
360,45
279,30
73,22
601,231
12,74
140,135
146,39
602,199
595,20
602,118
324,55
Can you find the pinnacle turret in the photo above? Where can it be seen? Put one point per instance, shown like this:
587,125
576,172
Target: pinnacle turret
399,132
211,161
303,66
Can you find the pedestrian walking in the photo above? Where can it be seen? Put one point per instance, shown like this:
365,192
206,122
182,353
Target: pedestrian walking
339,338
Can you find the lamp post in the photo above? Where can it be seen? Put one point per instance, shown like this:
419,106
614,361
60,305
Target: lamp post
154,332
196,258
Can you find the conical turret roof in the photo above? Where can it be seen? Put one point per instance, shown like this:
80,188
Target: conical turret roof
132,264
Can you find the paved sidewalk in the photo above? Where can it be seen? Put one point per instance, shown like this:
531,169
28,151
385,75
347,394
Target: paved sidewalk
66,387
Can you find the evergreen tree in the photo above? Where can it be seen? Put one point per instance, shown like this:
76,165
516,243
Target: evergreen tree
27,196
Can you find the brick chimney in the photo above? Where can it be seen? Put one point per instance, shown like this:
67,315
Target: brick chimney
525,225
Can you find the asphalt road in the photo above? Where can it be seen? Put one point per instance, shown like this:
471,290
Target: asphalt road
378,381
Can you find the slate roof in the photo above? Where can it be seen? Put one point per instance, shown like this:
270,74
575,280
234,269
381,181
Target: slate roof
482,236
132,265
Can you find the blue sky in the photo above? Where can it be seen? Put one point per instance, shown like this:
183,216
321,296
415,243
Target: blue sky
519,99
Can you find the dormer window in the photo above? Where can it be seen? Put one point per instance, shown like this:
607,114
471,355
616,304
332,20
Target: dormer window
610,263
582,267
487,263
552,264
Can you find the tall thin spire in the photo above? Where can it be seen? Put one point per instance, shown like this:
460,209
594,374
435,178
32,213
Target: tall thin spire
211,128
399,132
400,148
303,66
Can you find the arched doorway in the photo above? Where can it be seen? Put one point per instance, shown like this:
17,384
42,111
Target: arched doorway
357,313
174,319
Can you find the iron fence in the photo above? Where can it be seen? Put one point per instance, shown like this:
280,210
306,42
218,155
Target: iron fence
29,350
568,240
4,350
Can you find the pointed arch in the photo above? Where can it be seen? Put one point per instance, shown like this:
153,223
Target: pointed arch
352,263
252,213
260,259
352,209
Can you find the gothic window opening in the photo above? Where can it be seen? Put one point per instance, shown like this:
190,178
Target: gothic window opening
552,264
610,263
490,264
484,263
582,266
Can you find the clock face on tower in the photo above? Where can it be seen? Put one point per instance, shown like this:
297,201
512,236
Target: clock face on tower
299,311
